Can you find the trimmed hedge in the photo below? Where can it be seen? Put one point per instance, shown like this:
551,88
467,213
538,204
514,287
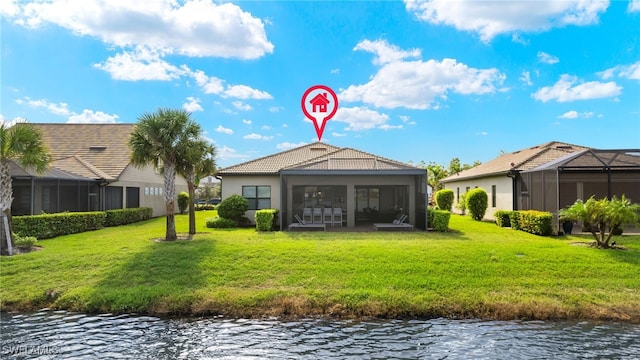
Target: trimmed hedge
183,202
503,218
234,207
266,219
438,219
536,222
477,202
514,220
47,226
444,199
127,216
220,223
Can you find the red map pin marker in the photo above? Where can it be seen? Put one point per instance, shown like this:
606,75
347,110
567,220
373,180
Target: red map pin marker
319,104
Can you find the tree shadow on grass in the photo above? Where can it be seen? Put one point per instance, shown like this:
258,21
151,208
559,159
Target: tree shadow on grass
160,280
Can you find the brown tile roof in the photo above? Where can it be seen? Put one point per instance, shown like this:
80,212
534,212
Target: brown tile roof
520,160
316,156
96,151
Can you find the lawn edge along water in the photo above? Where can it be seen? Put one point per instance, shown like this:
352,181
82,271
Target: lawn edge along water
476,270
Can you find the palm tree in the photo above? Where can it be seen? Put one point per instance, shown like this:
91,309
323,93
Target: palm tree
197,162
158,139
22,144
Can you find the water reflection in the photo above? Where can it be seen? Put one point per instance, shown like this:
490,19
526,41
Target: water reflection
58,334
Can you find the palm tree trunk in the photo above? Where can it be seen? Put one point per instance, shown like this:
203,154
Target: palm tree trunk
169,199
192,207
6,197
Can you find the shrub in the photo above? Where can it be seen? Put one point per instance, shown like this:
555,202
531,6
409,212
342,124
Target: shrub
477,202
51,225
444,199
266,219
462,204
205,207
220,223
24,242
183,202
514,220
233,208
503,218
536,222
119,217
438,219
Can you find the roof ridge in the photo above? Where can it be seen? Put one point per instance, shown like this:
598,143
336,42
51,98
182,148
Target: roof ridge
279,153
93,168
382,157
546,147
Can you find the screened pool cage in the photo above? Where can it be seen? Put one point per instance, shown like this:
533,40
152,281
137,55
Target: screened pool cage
580,175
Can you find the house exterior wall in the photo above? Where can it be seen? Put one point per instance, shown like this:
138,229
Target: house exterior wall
504,192
151,187
233,185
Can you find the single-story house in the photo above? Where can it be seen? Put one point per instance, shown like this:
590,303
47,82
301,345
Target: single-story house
90,171
551,176
366,187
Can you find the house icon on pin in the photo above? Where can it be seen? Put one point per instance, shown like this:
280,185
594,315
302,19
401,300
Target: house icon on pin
320,101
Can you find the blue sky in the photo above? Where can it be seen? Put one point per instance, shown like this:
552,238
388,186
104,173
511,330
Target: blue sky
416,80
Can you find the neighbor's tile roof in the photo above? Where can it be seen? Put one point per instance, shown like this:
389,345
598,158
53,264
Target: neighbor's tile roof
95,151
520,160
315,156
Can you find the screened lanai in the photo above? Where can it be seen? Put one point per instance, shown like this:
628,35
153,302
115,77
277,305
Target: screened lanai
580,175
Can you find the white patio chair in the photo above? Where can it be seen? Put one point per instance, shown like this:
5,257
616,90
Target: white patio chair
337,216
307,215
327,216
317,216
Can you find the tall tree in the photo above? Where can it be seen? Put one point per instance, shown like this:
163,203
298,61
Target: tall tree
22,144
196,162
435,173
159,139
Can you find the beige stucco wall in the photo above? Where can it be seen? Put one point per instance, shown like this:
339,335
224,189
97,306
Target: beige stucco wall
233,185
504,192
151,187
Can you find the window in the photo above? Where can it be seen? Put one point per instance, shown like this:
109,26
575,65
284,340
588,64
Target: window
457,194
493,196
467,190
259,197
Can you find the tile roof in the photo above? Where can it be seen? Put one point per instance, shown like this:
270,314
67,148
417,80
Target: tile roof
520,160
96,151
315,156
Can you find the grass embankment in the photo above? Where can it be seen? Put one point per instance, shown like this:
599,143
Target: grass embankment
479,270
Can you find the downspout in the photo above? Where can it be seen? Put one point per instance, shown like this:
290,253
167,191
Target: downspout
515,176
283,206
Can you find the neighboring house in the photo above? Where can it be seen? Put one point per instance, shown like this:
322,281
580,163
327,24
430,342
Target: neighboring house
90,171
368,188
551,176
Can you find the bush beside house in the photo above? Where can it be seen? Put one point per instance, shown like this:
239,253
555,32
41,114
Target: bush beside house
477,202
444,199
438,219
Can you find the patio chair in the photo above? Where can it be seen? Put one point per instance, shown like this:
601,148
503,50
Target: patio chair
337,216
317,216
306,215
396,224
301,224
327,216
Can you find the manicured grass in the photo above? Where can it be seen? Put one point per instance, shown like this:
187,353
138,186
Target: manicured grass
477,270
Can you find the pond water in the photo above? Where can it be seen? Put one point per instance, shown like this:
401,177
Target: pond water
61,335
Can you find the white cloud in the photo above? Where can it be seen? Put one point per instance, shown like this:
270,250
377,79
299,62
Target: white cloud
336,134
418,84
265,127
196,28
209,84
93,117
276,108
483,133
386,53
634,6
543,57
565,91
525,77
192,105
224,130
247,122
141,64
62,109
491,18
335,71
572,114
625,71
517,38
288,145
360,118
386,127
8,8
9,123
246,92
285,126
241,106
225,153
255,136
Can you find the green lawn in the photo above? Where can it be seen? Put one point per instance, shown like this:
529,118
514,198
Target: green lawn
476,270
